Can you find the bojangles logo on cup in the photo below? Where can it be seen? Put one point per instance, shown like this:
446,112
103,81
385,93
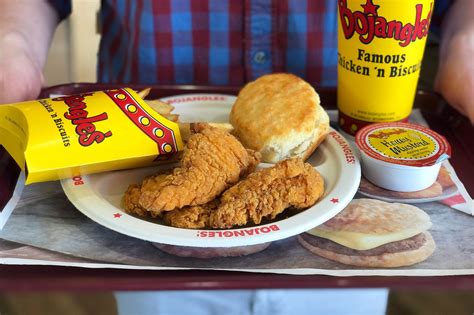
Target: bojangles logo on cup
368,24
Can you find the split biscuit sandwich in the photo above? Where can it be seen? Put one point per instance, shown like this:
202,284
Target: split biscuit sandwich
373,233
280,116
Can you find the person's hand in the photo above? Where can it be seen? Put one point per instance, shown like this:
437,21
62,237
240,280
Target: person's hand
21,75
455,77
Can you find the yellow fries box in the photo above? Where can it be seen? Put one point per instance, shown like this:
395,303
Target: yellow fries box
69,136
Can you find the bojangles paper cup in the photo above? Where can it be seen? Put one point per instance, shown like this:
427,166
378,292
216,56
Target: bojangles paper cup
381,45
62,137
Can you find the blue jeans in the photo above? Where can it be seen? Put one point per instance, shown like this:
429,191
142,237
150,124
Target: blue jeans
254,302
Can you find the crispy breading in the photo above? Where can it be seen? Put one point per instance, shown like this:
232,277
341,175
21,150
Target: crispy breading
132,195
268,192
191,217
213,160
130,200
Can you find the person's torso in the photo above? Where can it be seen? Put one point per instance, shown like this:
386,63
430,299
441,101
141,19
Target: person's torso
217,42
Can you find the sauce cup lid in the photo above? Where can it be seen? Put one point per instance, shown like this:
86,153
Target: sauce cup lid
403,144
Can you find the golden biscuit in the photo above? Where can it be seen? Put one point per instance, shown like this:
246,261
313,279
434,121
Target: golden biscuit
377,217
279,115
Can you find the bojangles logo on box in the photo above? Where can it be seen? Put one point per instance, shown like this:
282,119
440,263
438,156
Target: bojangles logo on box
79,116
368,24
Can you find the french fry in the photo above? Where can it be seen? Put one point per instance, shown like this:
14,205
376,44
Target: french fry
226,126
172,117
144,93
165,110
160,107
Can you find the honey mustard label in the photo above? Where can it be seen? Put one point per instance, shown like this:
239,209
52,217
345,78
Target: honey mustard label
380,51
87,133
401,143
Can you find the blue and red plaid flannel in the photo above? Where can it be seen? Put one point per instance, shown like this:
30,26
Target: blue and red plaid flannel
215,42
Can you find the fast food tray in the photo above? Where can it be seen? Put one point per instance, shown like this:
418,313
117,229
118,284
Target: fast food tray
440,117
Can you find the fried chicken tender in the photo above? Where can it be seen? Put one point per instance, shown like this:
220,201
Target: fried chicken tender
133,193
191,217
267,192
264,194
212,161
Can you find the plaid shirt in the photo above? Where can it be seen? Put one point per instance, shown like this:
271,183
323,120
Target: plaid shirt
215,42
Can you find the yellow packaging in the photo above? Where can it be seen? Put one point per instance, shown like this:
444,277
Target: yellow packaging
381,45
68,136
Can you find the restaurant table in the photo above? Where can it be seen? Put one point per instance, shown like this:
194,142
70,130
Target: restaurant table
440,117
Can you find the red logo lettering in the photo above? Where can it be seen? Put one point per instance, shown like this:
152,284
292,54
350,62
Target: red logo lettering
386,134
368,24
79,116
77,180
238,233
346,148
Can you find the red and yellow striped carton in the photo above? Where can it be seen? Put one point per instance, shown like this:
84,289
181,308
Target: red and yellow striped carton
67,136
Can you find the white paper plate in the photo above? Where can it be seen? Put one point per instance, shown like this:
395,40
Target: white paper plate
100,196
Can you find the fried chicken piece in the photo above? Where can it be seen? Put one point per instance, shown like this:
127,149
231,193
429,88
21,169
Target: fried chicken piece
130,201
133,193
191,217
268,192
213,160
